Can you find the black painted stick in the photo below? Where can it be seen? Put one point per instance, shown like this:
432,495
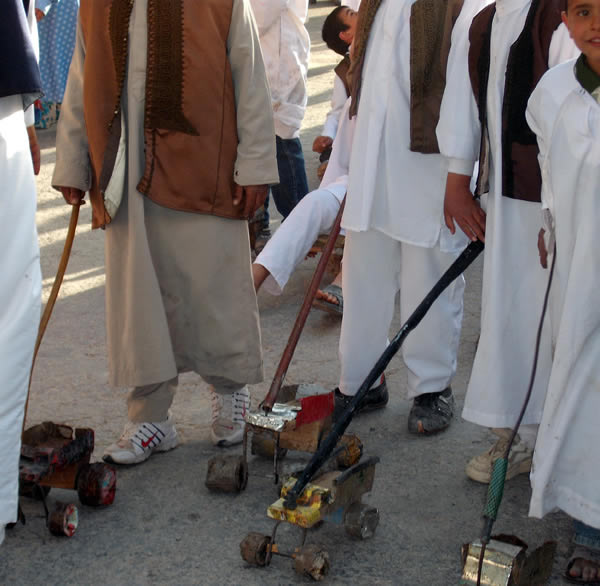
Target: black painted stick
456,269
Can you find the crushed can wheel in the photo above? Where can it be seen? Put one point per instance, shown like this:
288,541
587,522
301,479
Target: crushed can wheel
96,484
361,521
313,561
227,474
263,445
253,548
352,452
63,521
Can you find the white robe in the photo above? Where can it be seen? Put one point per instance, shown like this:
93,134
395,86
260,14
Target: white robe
285,44
20,291
396,237
566,464
513,281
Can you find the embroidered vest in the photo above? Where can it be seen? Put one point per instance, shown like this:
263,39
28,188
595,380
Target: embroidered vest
190,130
527,62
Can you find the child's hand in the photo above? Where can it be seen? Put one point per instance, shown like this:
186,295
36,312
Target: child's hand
72,195
542,248
252,196
321,143
460,206
34,148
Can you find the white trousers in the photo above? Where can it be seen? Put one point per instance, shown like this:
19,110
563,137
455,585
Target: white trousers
375,268
20,289
314,215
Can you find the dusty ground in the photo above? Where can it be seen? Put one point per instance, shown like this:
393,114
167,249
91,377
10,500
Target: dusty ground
165,527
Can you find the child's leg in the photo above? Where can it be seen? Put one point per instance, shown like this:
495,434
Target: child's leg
370,284
430,350
289,245
580,566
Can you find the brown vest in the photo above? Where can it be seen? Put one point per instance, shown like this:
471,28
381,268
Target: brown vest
190,130
431,24
527,62
341,70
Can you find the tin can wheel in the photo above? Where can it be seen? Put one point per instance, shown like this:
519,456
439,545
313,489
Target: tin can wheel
63,521
96,484
313,561
264,445
361,521
227,474
254,548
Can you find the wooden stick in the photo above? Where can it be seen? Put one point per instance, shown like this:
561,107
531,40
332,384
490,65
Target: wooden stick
286,358
60,273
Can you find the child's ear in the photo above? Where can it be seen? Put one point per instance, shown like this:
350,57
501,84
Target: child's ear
345,36
565,18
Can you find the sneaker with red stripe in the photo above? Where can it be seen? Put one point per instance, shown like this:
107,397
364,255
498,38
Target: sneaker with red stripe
140,440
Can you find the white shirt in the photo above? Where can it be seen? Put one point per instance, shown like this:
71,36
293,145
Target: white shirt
391,188
285,44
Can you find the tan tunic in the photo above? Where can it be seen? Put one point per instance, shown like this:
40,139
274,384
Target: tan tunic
179,293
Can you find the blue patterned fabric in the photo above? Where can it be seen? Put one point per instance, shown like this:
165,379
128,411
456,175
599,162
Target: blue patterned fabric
57,32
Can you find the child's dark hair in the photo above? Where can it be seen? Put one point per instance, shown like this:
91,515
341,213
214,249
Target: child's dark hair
332,27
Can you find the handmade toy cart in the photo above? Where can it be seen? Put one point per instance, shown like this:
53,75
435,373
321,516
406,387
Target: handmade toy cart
57,456
335,496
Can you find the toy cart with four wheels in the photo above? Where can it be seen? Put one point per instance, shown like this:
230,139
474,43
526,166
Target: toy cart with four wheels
58,456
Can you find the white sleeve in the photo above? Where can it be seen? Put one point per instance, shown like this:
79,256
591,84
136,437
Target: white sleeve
458,131
562,47
339,161
72,167
256,162
267,13
338,99
540,113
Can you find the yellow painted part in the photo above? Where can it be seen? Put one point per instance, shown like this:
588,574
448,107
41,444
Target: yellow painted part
310,504
303,515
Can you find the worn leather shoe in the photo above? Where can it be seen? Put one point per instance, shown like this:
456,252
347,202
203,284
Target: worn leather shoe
376,398
431,412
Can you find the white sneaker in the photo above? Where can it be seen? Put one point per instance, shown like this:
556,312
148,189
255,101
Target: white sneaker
228,413
140,440
480,467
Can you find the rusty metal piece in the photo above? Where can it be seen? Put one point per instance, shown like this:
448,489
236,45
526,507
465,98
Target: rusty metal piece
96,484
313,561
63,521
361,521
227,474
506,563
51,454
254,548
263,445
352,450
33,491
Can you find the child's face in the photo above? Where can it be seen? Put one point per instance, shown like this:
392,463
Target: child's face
350,18
583,22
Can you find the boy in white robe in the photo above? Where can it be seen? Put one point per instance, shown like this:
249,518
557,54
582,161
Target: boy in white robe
513,282
314,215
395,237
564,112
21,282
